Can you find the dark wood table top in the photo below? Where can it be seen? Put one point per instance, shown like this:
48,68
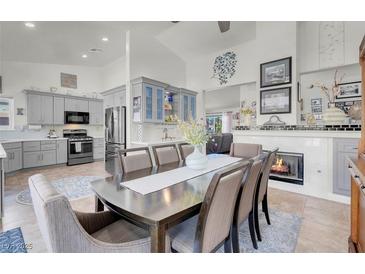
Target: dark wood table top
162,206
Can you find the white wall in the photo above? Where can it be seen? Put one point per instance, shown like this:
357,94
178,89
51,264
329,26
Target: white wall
113,74
274,40
351,74
309,42
224,99
19,76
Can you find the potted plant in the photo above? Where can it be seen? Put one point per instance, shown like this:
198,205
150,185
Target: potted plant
195,134
332,115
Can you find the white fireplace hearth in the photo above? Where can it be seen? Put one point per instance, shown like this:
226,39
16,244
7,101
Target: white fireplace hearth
318,151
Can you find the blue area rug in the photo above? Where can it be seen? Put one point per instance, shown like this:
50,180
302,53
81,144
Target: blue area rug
72,187
12,241
279,237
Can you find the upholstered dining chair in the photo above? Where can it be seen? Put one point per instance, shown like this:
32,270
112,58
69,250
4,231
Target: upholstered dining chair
244,150
245,204
261,193
65,230
165,154
185,150
134,159
211,229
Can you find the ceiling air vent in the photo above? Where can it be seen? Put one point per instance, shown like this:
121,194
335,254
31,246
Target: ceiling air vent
95,50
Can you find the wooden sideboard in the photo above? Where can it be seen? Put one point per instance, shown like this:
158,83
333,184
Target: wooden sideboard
357,170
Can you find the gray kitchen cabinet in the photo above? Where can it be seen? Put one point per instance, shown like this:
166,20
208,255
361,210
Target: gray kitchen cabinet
96,112
31,159
48,157
188,105
14,160
34,111
98,148
47,109
342,148
59,110
78,105
40,109
61,151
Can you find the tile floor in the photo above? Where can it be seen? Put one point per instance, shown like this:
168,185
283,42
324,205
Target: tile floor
325,224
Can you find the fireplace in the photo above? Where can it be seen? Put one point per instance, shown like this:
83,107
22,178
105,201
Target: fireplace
288,167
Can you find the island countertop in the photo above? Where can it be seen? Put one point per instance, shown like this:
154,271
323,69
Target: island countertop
156,142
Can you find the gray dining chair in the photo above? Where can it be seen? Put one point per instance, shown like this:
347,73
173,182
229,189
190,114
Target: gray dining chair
261,193
245,204
185,150
134,159
165,154
246,151
211,229
66,230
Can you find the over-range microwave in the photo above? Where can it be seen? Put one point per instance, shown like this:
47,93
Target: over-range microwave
73,117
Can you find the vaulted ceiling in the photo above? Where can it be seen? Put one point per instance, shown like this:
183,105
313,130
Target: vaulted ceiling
66,42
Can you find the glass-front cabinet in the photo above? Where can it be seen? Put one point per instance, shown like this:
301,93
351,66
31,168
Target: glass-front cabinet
188,105
157,102
153,103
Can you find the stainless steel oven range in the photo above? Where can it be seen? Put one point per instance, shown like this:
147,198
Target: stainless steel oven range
80,146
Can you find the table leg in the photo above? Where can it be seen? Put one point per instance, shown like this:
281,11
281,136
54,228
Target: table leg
158,238
99,206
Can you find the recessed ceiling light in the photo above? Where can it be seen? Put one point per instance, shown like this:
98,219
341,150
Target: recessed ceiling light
105,39
84,56
29,24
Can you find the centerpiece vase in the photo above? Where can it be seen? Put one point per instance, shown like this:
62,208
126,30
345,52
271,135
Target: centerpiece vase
196,160
333,115
247,120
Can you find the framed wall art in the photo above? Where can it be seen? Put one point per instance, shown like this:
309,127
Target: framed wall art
316,105
68,80
349,90
275,101
276,72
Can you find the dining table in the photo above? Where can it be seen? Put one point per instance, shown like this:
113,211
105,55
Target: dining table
156,211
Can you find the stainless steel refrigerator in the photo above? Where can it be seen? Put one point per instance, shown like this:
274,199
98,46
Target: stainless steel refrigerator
115,135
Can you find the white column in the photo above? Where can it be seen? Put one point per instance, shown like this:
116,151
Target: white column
128,93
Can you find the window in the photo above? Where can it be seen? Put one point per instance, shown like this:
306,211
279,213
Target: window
6,114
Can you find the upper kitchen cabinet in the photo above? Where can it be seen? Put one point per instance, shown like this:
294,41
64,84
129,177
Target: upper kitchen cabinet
114,97
77,105
172,104
58,110
96,112
187,104
45,108
148,100
39,109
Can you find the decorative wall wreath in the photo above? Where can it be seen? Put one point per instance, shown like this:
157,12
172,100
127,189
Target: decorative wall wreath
224,67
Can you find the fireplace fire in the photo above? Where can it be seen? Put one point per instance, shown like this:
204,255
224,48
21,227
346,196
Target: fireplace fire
288,167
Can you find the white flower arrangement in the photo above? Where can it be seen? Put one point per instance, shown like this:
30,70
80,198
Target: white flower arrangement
193,132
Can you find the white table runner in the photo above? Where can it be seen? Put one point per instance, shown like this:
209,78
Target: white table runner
162,180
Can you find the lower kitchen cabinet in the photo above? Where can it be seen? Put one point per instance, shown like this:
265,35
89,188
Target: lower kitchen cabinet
343,148
39,158
98,148
61,152
31,159
14,160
